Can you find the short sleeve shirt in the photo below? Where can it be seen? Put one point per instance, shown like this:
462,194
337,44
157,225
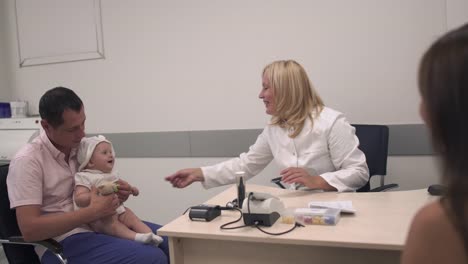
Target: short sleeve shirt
39,175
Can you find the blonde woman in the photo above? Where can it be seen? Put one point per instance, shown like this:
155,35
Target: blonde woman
313,145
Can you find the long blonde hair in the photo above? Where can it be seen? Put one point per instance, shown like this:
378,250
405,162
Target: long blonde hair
295,97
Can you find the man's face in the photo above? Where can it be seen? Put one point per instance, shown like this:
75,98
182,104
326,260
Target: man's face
69,134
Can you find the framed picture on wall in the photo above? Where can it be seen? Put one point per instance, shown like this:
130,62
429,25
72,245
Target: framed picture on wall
55,31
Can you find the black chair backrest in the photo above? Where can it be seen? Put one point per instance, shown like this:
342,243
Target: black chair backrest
9,227
373,141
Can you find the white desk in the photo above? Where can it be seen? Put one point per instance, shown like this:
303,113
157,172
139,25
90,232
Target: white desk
375,234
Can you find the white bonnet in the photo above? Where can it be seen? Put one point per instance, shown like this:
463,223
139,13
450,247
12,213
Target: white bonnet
86,149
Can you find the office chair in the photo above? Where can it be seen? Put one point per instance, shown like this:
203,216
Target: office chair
16,249
373,141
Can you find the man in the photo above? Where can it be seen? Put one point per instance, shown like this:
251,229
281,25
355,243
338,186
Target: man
40,187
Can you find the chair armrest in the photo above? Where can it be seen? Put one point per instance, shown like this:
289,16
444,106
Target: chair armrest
50,244
18,239
385,187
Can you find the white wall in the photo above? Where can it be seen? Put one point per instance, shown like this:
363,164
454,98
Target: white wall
171,63
195,65
457,13
5,85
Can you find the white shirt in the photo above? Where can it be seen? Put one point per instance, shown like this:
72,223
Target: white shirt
329,149
88,178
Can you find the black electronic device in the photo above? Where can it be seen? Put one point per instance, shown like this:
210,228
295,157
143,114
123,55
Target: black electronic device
240,191
437,189
277,181
260,219
204,212
261,209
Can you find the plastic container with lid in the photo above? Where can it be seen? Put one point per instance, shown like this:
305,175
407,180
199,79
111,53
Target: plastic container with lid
19,109
311,216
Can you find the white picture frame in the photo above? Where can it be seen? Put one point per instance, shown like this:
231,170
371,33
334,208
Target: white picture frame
57,31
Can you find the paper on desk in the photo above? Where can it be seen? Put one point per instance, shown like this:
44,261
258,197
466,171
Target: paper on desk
344,206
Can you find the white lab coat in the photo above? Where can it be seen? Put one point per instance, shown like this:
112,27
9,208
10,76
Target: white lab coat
329,149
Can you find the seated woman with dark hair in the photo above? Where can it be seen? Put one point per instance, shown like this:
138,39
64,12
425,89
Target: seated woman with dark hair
439,232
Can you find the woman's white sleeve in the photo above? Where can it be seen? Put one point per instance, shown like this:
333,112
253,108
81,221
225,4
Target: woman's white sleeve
252,162
352,172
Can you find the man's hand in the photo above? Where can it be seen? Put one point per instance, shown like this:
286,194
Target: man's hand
103,205
299,175
185,177
124,190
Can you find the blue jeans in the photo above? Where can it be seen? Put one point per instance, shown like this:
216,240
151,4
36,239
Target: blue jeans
97,248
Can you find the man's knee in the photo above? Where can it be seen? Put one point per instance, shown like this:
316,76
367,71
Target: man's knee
151,255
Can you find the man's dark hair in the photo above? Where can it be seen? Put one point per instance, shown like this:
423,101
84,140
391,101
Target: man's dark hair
55,101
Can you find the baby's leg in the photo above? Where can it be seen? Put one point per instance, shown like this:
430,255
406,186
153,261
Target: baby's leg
132,221
112,226
129,219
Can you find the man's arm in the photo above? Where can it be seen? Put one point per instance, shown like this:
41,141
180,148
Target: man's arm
35,226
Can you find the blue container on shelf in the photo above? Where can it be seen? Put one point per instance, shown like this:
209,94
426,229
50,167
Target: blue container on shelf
5,110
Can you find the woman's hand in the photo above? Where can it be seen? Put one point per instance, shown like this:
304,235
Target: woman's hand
135,191
300,175
185,177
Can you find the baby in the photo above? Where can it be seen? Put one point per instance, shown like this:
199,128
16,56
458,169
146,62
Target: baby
96,158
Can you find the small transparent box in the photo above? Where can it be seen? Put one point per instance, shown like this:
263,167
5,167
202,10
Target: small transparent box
317,216
287,216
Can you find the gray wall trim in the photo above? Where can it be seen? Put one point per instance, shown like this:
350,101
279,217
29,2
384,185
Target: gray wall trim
404,140
409,140
222,143
150,144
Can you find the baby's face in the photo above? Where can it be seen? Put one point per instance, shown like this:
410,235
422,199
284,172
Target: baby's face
102,158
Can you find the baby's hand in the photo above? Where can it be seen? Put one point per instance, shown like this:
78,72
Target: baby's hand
108,188
124,190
